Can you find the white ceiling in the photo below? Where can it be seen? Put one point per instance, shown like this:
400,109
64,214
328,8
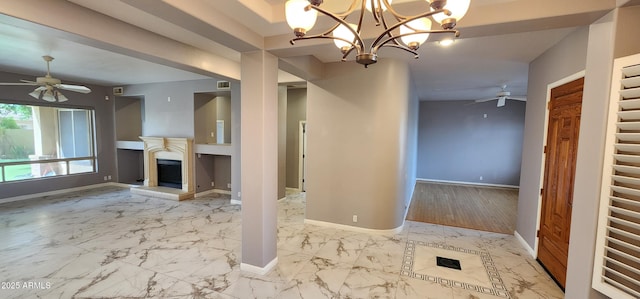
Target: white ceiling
499,39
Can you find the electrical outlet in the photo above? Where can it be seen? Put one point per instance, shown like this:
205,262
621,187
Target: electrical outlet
168,99
213,135
213,184
229,185
105,177
481,178
239,194
355,218
109,177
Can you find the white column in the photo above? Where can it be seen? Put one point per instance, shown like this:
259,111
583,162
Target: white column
259,156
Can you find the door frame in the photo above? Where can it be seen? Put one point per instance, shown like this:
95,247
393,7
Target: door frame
550,86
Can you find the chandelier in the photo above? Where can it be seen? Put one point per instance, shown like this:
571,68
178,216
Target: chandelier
407,33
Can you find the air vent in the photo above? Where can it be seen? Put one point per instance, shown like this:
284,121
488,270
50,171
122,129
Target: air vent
224,85
118,91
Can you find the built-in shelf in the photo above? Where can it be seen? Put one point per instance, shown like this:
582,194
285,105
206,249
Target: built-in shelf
214,149
130,145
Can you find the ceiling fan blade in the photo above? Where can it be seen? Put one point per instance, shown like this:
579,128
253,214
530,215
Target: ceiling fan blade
485,100
21,83
28,81
76,88
524,99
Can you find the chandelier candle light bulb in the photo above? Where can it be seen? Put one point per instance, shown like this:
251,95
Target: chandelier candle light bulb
407,33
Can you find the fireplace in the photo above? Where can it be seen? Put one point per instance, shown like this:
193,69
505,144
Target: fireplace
168,162
169,173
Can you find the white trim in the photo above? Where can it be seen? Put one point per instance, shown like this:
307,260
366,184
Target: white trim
211,191
468,183
292,189
56,192
236,202
524,244
355,228
227,192
258,270
550,86
281,199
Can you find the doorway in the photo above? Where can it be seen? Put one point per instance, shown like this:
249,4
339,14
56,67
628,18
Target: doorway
302,152
564,109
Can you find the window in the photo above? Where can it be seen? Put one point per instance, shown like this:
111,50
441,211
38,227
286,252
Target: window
44,141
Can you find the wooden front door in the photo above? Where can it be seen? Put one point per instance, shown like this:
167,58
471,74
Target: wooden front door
560,167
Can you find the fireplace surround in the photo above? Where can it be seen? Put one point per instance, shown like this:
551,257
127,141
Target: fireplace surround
167,148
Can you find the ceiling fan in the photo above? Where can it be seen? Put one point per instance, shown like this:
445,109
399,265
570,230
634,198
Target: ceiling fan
502,96
49,87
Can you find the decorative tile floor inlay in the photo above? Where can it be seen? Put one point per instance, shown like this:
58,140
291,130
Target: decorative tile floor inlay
420,262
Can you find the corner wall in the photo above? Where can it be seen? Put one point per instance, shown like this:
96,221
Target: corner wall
357,145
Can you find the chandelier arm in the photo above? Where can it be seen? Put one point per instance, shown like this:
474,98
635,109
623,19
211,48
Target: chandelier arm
401,47
374,11
323,36
351,9
407,20
356,34
344,57
375,49
401,16
385,26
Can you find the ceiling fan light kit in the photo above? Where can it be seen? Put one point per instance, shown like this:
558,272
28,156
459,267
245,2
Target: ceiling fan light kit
408,33
48,87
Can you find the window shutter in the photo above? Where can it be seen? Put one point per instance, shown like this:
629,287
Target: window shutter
617,258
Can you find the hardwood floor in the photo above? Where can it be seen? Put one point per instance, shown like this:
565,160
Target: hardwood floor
481,208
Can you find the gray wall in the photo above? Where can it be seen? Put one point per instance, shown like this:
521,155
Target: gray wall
169,106
357,145
457,143
105,137
296,112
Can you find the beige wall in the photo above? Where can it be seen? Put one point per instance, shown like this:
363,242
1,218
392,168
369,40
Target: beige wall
357,143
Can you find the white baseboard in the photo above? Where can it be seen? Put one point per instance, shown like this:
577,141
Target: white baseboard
209,192
355,228
467,183
236,202
258,270
524,244
58,192
281,199
292,189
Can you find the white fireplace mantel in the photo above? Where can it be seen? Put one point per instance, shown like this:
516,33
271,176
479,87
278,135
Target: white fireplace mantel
180,149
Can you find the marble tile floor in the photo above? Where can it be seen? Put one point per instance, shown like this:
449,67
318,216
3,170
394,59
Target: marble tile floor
109,243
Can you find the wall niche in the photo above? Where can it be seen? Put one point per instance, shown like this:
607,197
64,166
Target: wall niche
212,118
